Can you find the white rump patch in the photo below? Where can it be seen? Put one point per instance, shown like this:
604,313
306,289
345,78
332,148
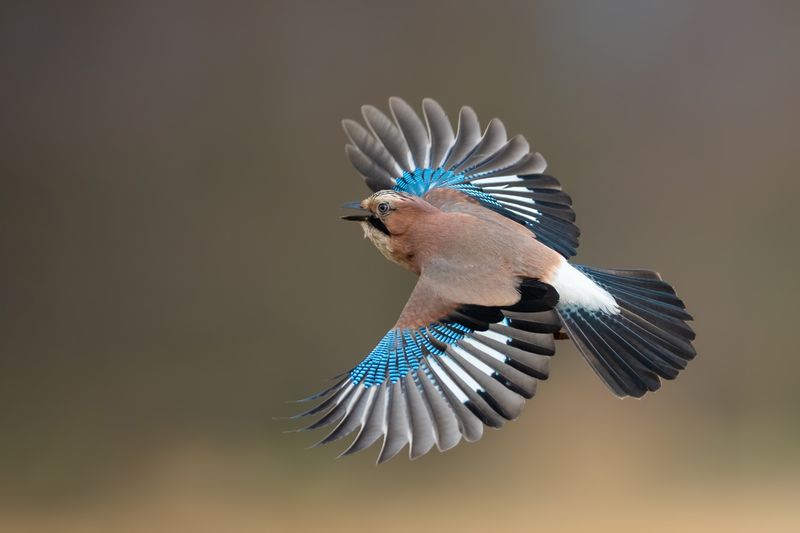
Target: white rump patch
575,289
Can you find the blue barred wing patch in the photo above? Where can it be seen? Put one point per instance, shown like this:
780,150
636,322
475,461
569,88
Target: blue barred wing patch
423,180
402,351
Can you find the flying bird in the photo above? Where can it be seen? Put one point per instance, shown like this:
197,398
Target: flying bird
489,236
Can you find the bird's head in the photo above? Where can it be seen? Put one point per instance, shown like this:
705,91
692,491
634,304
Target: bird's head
386,217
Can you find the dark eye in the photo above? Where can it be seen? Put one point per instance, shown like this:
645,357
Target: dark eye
383,208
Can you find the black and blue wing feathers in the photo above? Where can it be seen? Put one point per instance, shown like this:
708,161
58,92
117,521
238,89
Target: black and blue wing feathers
439,384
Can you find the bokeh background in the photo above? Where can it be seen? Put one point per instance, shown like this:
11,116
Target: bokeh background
172,268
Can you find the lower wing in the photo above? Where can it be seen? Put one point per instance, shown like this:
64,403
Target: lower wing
441,382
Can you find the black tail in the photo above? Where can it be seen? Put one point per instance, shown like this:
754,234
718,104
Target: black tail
646,340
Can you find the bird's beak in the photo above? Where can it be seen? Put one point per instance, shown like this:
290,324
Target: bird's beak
362,216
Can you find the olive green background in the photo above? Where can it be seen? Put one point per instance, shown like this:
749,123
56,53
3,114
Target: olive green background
173,269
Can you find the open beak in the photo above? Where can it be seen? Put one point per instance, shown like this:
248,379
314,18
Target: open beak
360,217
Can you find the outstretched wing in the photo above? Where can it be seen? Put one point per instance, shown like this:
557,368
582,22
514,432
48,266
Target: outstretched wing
501,174
443,372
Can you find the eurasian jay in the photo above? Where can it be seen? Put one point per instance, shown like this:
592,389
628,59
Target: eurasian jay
489,235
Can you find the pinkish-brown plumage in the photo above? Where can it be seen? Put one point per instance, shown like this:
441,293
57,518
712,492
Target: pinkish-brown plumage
489,234
446,241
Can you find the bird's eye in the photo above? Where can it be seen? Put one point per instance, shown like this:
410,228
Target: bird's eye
383,208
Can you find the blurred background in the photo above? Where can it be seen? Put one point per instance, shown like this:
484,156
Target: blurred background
172,268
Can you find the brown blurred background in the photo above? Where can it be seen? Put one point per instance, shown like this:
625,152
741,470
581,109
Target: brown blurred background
173,268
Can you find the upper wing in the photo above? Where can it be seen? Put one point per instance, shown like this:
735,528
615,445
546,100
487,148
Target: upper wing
442,372
500,173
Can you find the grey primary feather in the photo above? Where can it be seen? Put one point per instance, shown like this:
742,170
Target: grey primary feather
469,425
509,376
492,140
468,136
445,421
553,198
538,343
336,412
387,132
375,176
476,404
327,402
510,404
560,211
352,418
535,365
440,132
412,129
323,393
370,146
396,429
373,421
507,155
531,163
423,435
